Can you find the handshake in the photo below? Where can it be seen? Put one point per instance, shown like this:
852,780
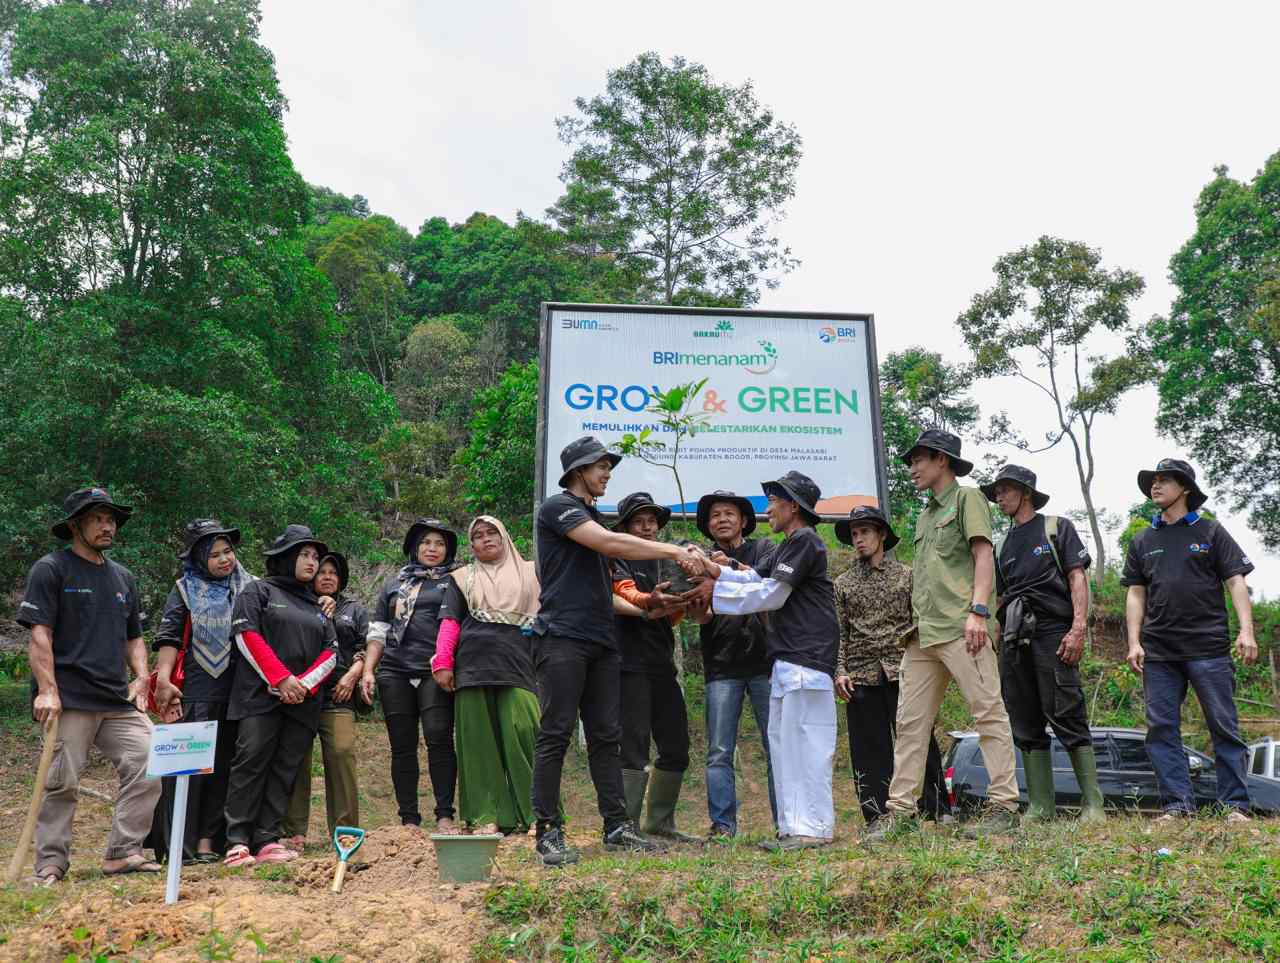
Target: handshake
690,580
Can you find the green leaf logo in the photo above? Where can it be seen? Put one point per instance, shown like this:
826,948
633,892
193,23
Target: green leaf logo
769,349
724,326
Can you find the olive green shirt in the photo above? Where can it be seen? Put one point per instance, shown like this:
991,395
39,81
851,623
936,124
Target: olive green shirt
942,572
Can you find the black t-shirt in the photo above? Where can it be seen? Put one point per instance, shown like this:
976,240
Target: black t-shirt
287,614
488,653
412,657
1026,568
733,646
351,622
648,645
804,631
1183,566
577,590
93,611
199,685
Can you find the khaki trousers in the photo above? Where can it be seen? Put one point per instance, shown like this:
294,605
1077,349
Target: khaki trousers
341,794
124,737
923,681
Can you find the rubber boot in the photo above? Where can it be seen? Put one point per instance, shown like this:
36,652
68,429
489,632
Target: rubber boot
660,812
1085,765
1038,765
633,785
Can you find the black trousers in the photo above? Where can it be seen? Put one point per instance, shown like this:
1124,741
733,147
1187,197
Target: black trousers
871,714
269,750
1038,690
407,708
653,707
206,795
578,677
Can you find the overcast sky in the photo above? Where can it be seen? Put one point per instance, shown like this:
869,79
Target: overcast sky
936,138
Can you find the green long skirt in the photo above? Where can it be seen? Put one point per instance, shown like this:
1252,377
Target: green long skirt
496,727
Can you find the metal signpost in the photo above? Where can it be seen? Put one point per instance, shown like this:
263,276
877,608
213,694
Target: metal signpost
184,749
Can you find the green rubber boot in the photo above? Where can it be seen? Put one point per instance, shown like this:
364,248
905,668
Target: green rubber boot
1086,767
1038,765
633,785
660,811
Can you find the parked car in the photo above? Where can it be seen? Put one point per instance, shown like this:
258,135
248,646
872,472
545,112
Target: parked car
1125,775
1264,759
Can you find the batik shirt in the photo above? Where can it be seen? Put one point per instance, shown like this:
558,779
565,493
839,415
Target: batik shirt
874,609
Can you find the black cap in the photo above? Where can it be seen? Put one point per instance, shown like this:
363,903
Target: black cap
587,450
292,537
1184,471
340,563
423,525
862,515
1024,477
201,528
639,502
83,499
742,503
935,439
798,488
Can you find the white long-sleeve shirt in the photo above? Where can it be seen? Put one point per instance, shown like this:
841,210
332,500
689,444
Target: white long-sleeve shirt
746,592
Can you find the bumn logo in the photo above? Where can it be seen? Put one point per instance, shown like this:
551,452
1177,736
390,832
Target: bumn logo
586,324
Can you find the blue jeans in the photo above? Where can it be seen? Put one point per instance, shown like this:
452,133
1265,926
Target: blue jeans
724,710
1165,687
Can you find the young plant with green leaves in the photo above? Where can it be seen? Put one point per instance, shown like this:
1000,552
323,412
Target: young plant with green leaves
674,410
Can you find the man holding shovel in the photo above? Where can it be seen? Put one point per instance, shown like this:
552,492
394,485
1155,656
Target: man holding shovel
84,614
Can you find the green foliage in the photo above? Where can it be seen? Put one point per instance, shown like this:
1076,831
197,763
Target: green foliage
498,460
1038,324
682,179
672,408
164,332
1218,351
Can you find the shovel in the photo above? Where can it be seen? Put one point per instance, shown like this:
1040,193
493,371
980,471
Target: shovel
354,837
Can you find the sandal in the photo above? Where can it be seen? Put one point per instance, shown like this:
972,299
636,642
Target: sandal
47,877
275,853
202,858
137,863
238,856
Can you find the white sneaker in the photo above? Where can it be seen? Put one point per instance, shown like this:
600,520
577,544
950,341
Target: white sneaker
1237,816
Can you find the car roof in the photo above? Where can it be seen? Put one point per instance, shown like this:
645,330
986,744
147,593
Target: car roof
1096,730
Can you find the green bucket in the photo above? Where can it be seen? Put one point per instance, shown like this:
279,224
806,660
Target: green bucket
465,859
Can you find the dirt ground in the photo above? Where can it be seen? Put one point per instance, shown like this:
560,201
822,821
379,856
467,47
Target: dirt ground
393,905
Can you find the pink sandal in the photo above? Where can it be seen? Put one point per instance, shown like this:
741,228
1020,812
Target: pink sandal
275,853
238,856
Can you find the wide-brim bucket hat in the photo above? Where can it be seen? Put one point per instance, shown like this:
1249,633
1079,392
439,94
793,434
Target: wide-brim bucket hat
797,488
1181,469
741,502
1022,476
935,439
199,529
587,450
640,502
423,525
292,537
862,515
83,499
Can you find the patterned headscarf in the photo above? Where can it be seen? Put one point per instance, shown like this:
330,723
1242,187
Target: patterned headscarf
210,600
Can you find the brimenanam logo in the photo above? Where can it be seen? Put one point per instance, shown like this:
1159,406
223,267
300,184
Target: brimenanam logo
755,362
723,329
833,334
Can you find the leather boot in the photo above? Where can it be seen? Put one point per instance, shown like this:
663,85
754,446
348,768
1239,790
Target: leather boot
634,782
1038,766
1085,765
660,811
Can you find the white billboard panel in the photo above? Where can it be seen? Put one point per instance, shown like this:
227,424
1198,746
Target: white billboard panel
784,390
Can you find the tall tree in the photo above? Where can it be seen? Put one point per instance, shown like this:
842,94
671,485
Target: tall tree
1041,323
1218,351
683,177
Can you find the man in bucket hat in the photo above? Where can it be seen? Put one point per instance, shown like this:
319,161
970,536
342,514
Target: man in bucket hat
85,618
873,605
1177,628
953,578
734,661
577,657
792,585
1044,607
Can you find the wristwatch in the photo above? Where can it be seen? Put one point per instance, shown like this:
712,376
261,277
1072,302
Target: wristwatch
977,608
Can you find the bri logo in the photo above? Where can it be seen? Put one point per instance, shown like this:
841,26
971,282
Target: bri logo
1042,549
756,362
1198,548
833,334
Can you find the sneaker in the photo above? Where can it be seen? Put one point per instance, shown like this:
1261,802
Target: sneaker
994,821
1238,817
890,827
553,850
787,843
1170,816
720,831
625,836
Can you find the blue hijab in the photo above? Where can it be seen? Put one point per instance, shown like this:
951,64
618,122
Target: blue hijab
210,601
